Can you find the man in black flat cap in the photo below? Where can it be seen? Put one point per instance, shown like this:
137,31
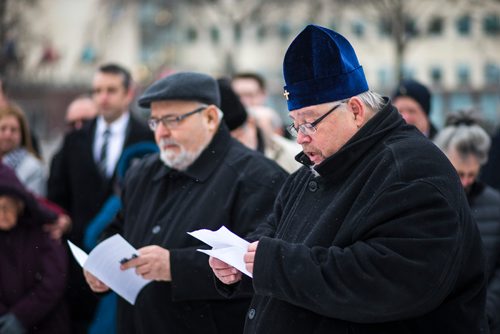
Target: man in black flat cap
374,234
202,178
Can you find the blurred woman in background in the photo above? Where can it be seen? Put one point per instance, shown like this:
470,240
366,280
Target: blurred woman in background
16,149
33,266
466,144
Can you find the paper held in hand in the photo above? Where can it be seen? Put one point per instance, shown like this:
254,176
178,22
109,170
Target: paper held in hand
104,263
226,246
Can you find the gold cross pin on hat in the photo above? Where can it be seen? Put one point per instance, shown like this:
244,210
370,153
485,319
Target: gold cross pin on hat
285,94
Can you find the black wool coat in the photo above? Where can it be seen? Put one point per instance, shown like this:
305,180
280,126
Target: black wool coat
227,185
382,241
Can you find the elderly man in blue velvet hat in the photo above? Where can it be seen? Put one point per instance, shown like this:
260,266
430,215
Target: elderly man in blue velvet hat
201,178
374,234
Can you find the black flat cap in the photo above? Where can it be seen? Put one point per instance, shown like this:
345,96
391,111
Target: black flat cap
187,86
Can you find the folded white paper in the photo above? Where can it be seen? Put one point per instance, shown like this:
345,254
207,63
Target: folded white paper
104,263
226,246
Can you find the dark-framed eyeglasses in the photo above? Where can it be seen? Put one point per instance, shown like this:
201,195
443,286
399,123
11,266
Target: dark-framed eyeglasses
171,121
309,128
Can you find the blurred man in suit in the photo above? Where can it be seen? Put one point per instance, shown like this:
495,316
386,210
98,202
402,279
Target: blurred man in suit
82,178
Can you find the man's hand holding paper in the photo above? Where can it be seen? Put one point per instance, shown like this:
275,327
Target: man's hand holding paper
94,283
103,267
249,257
153,263
231,251
226,273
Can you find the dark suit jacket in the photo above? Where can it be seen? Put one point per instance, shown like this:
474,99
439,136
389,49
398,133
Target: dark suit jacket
75,182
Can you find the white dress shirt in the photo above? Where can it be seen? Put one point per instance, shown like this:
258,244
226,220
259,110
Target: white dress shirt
115,142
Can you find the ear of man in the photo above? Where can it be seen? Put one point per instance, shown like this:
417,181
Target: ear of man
359,110
212,118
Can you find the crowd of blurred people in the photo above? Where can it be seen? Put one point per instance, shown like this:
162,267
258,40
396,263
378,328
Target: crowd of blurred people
113,174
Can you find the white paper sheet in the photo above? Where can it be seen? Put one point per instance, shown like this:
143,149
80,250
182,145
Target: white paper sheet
104,263
226,246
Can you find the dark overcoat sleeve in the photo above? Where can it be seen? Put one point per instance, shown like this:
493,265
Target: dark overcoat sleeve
384,275
58,182
266,228
192,278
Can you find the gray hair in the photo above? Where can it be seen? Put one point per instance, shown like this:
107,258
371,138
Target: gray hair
466,138
373,100
220,114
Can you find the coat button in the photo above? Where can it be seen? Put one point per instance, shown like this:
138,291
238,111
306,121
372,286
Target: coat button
313,186
251,313
156,229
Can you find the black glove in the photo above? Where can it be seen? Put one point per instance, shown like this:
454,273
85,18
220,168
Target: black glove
9,324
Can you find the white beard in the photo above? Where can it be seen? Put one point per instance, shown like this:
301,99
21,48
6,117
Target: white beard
179,161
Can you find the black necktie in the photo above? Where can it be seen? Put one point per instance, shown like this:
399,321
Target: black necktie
103,156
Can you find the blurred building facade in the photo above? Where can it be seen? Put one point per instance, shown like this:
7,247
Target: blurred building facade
451,45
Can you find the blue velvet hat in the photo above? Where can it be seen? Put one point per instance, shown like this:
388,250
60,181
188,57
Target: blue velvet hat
321,66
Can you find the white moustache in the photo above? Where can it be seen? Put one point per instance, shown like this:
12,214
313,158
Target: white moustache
167,141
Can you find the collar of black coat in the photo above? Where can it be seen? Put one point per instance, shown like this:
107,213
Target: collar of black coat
207,162
369,135
475,190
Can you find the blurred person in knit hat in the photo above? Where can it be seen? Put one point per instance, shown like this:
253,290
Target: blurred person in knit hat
245,127
413,101
373,234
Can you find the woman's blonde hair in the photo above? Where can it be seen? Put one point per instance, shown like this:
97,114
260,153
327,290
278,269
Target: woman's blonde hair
12,109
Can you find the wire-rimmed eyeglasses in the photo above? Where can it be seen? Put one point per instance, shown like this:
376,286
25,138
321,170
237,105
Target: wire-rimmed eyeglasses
309,128
171,121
